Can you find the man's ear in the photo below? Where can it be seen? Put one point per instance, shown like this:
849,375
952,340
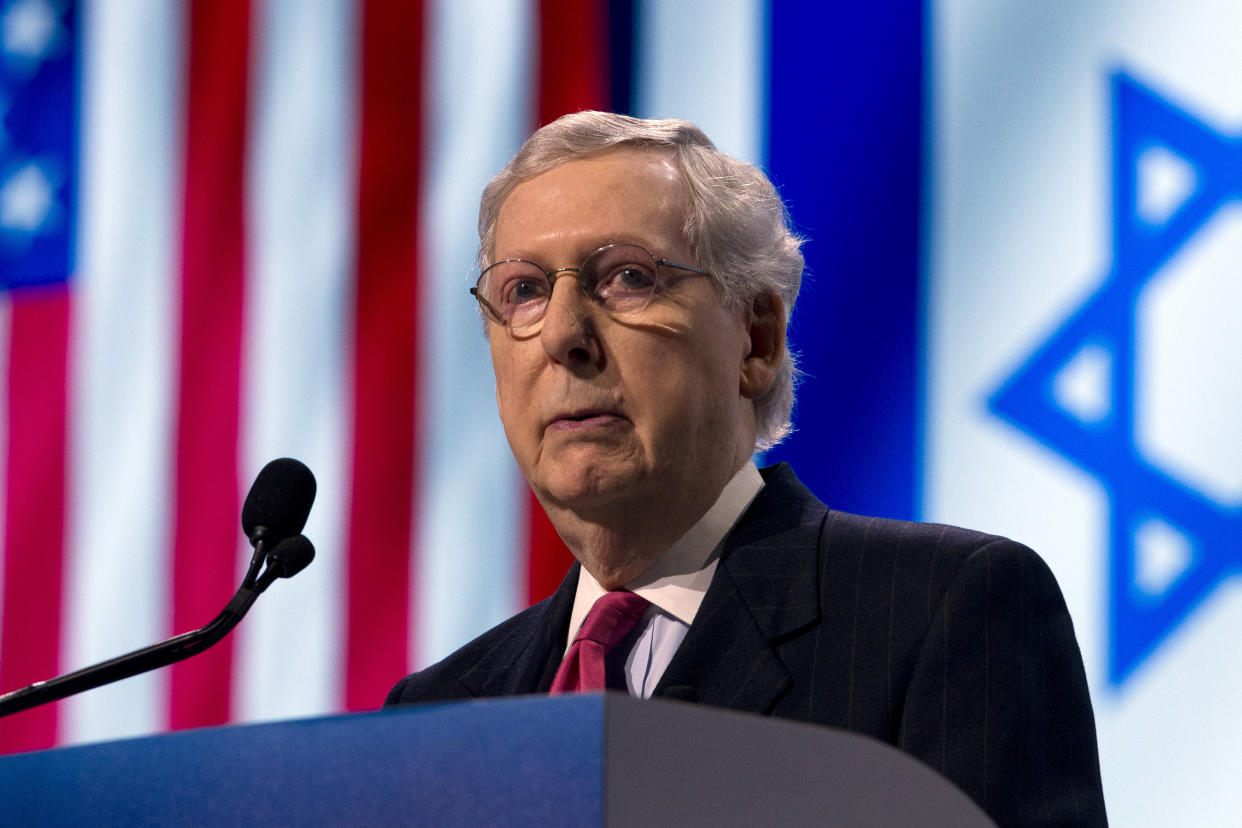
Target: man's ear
766,330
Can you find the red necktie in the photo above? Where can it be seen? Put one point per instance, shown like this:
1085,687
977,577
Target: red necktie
611,619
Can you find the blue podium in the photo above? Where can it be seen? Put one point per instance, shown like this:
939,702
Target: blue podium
595,759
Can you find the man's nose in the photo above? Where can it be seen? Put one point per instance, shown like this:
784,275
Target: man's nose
568,333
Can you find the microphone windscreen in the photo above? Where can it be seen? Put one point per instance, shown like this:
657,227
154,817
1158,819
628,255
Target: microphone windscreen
280,499
291,556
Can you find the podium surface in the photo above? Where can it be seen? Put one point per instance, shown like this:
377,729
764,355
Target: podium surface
594,759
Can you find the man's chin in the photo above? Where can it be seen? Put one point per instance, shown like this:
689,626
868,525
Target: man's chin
587,491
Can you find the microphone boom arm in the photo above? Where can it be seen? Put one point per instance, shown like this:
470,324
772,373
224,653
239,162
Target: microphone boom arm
166,652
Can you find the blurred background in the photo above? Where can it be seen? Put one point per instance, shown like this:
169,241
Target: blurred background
232,231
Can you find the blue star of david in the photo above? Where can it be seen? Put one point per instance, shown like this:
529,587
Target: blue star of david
1106,446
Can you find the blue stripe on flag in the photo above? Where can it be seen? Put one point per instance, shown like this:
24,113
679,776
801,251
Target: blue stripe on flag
845,134
621,54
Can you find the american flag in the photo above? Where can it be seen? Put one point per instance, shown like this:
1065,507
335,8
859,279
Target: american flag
232,230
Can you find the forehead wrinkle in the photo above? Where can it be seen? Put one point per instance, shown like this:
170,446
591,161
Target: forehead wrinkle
666,202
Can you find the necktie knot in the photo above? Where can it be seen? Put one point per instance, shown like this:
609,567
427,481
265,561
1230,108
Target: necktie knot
611,618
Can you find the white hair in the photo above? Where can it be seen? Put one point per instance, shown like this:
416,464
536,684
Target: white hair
737,226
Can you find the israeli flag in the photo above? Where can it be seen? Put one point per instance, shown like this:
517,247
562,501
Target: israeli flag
1083,382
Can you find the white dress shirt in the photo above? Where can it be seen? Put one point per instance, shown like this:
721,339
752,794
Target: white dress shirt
675,585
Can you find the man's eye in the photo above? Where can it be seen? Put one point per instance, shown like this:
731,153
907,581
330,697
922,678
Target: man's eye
626,279
521,291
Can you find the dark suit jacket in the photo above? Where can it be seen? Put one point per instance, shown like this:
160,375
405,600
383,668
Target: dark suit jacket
953,645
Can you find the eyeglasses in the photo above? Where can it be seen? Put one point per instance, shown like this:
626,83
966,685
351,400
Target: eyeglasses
620,278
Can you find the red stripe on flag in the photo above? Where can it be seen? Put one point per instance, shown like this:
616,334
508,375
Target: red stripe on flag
573,57
34,507
382,495
573,76
207,496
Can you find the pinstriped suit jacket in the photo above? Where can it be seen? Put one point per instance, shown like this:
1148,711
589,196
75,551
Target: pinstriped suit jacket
953,645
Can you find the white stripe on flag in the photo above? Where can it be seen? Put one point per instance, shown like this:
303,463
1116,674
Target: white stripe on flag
705,62
467,525
301,195
122,353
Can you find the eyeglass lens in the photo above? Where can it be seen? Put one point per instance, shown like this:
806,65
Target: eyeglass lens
620,277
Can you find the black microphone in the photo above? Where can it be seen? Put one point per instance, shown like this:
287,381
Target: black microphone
276,508
290,557
279,501
269,519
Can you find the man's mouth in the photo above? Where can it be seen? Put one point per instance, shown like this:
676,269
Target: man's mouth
585,419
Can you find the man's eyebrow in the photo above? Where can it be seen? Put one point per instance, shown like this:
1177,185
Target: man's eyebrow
657,248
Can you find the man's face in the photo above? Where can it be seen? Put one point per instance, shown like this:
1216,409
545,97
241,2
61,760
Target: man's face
610,413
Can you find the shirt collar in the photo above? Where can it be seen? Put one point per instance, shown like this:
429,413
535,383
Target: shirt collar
678,580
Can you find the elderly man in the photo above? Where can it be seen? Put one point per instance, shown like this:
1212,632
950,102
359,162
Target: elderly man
636,285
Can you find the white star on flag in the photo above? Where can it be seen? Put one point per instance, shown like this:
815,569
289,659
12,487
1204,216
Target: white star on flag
29,28
26,200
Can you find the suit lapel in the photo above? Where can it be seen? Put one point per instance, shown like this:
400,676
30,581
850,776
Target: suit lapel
526,659
765,589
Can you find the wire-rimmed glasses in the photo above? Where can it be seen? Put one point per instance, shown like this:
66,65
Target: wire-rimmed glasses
621,278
